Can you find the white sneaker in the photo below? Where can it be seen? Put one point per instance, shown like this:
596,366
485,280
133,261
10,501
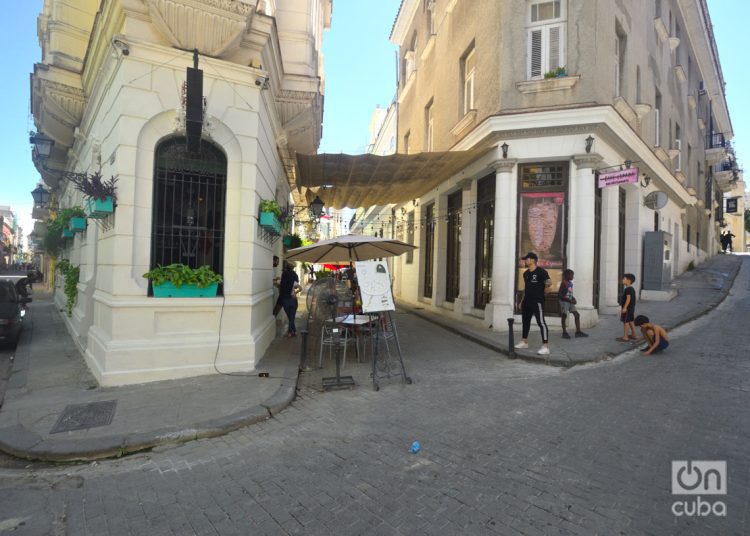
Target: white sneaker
522,345
543,351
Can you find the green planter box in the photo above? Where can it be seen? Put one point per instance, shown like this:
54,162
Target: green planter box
98,209
77,225
270,223
168,290
67,233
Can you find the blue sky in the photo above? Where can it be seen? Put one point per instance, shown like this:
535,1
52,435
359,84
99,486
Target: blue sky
360,74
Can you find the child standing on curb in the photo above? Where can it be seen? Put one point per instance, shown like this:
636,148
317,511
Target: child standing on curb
568,304
627,313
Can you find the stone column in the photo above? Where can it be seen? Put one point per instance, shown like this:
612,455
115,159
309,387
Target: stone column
581,239
504,245
610,251
465,299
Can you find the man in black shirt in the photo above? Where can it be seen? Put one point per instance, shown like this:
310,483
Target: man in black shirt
536,281
288,289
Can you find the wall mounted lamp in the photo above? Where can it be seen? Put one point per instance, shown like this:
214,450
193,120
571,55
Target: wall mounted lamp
316,207
645,181
589,143
505,147
415,202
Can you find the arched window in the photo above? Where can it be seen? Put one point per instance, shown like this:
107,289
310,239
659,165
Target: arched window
189,205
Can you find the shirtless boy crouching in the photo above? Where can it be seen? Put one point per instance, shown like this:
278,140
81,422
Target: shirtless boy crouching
655,335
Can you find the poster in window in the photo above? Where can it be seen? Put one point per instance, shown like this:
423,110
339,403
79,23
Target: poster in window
541,227
374,286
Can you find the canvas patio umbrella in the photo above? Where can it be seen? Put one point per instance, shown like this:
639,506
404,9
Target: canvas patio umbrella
348,248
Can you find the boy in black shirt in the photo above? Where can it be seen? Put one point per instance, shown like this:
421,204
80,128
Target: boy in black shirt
627,313
536,281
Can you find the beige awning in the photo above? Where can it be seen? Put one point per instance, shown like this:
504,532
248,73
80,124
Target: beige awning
363,180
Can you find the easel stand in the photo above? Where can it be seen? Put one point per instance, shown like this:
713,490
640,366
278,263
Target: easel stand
387,367
339,381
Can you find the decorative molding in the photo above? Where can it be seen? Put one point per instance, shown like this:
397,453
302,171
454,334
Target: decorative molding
661,154
505,165
625,110
58,108
587,161
641,109
548,84
674,42
692,102
691,191
661,29
701,123
214,27
680,74
463,123
680,176
464,184
428,47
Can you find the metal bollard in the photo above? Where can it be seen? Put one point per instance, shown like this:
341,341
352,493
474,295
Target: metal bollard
511,342
303,351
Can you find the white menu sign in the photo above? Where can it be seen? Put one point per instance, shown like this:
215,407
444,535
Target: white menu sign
374,286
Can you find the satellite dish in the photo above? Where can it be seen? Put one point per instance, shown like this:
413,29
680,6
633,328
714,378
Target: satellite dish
656,200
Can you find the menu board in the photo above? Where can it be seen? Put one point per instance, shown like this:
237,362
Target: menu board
375,286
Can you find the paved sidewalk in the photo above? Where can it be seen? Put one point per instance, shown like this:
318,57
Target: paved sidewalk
50,374
698,292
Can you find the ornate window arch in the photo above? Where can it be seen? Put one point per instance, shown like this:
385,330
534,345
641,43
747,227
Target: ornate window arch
189,205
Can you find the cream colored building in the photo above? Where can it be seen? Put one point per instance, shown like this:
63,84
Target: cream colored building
110,91
556,90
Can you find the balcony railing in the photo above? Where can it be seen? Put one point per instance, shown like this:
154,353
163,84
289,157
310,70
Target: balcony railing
715,141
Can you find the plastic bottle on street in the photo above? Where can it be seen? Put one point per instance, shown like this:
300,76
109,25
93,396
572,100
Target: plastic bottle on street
415,447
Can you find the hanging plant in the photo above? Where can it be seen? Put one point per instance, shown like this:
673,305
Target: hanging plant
72,274
94,187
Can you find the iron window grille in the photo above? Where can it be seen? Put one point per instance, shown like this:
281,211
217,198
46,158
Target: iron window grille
189,203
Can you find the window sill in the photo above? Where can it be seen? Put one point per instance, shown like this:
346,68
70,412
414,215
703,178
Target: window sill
547,84
466,121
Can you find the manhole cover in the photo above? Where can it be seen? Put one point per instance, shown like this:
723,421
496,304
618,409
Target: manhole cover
82,416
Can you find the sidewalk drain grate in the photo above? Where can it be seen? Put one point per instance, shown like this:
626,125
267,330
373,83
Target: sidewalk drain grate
83,416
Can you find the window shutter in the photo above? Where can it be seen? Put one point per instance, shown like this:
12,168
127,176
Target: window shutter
535,53
555,45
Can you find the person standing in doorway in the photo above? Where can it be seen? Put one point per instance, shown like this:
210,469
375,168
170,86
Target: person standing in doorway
536,281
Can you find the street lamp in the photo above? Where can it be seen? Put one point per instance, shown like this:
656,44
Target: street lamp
589,143
316,207
42,145
41,196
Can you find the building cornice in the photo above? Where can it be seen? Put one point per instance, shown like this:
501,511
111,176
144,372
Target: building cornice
406,13
605,119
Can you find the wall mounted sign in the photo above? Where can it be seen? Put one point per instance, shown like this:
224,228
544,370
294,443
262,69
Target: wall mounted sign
612,178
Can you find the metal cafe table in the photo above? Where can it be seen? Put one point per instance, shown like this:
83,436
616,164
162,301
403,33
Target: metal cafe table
355,322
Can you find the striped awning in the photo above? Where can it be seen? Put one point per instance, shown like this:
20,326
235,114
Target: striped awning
364,180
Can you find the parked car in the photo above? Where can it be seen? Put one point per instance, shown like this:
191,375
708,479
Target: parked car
11,312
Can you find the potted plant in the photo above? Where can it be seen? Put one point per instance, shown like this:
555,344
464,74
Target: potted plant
76,219
556,73
181,281
270,214
292,241
100,194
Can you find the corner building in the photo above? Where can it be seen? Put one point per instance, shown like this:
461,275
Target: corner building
557,90
110,92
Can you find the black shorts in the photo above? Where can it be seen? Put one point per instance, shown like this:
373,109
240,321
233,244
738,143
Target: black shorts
629,316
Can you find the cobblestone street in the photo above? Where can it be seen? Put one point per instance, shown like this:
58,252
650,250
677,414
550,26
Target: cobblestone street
507,448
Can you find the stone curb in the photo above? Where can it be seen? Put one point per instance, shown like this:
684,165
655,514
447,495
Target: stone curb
20,442
560,361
